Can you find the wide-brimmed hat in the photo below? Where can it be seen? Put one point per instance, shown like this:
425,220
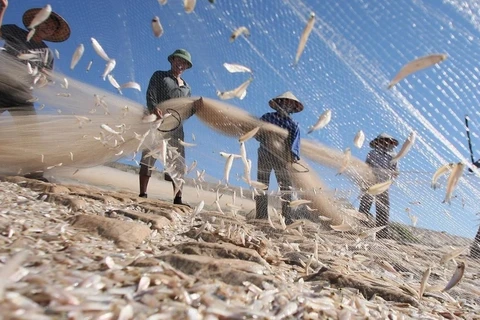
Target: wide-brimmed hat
276,103
383,137
182,53
61,34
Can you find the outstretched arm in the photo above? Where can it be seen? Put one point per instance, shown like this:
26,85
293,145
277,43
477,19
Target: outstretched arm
3,8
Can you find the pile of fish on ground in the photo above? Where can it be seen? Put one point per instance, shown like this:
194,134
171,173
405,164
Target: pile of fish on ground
78,252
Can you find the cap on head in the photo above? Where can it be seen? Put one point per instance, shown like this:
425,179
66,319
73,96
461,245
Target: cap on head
61,34
182,53
383,137
278,103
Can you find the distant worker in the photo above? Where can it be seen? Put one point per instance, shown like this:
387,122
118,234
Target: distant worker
165,85
278,155
379,160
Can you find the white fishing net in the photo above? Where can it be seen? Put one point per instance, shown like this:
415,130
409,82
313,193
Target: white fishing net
354,50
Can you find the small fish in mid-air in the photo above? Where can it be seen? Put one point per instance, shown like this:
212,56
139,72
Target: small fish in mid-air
228,167
109,66
30,34
359,139
452,181
157,27
99,50
304,37
131,85
41,16
114,83
322,121
457,276
379,188
240,92
57,54
423,283
416,65
237,32
407,145
232,68
189,5
440,171
77,55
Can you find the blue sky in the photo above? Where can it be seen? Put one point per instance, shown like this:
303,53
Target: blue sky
355,49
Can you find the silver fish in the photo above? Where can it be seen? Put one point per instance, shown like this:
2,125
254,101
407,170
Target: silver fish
359,139
304,37
457,276
232,68
228,167
237,32
41,16
239,92
441,171
114,83
99,50
407,145
30,34
423,283
189,5
296,203
379,187
451,255
109,66
452,181
131,85
322,121
57,54
416,65
89,65
157,27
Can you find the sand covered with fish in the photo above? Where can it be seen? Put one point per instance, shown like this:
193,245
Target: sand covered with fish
78,251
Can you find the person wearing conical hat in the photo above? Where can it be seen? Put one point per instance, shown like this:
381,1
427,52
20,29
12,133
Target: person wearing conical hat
379,160
278,154
165,85
17,99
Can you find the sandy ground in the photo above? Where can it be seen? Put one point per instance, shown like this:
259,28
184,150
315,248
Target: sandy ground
114,179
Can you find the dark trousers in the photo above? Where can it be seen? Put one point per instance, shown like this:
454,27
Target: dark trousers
475,248
266,163
382,206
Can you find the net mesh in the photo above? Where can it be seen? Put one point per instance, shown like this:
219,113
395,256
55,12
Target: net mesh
354,50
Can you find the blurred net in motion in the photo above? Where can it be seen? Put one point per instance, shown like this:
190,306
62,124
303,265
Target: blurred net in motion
352,53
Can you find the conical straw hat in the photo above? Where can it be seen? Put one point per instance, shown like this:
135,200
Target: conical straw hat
276,103
61,34
383,136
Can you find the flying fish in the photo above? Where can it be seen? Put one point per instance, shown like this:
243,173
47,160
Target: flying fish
417,65
304,37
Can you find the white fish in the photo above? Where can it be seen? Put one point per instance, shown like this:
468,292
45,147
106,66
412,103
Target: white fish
189,5
99,50
423,283
65,83
131,85
30,34
258,185
28,56
41,16
344,227
359,139
370,232
237,32
452,181
379,187
457,276
57,54
322,121
347,155
89,65
239,92
441,171
157,27
304,37
109,129
407,145
164,151
186,144
192,167
249,134
451,255
226,155
77,55
247,171
416,65
199,208
29,68
228,167
243,153
109,66
114,83
296,203
232,68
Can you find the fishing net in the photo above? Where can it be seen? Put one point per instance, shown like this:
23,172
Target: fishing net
352,53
